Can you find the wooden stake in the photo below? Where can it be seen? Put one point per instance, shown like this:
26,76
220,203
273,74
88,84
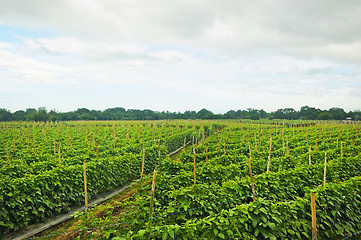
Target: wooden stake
114,139
85,187
159,148
206,154
7,153
243,133
283,139
28,139
59,155
337,141
224,148
269,155
313,213
90,143
341,150
125,145
54,151
255,142
70,142
324,172
309,156
347,132
141,175
250,173
143,138
34,144
316,139
96,147
194,171
152,194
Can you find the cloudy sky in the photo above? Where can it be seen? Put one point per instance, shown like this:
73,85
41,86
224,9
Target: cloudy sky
180,55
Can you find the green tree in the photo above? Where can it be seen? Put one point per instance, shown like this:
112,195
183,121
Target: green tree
41,115
5,115
337,113
204,114
19,115
309,113
324,116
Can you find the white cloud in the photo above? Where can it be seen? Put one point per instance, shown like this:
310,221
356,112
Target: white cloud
221,53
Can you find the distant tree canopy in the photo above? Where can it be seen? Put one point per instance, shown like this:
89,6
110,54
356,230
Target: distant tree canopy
118,113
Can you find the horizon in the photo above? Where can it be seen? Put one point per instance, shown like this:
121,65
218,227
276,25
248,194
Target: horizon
181,112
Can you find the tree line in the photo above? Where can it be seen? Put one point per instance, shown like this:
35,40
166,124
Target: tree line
119,113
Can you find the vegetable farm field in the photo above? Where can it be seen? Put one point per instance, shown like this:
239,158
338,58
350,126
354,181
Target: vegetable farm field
237,180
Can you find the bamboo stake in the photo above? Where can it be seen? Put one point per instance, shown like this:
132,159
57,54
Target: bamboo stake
324,172
152,194
309,156
269,155
141,175
85,186
313,213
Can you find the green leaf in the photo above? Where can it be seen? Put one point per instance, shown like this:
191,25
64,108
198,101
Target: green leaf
290,231
221,235
171,233
164,235
256,232
272,237
272,226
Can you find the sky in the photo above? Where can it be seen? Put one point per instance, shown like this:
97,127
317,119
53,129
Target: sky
180,55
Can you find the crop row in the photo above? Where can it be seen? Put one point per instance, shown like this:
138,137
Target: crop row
215,199
37,187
